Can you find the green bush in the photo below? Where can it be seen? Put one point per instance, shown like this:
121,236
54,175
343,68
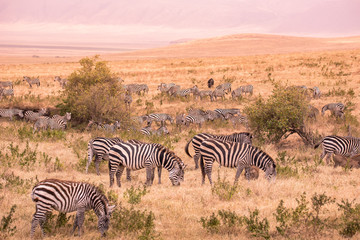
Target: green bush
257,227
6,228
224,189
57,223
134,195
350,219
224,222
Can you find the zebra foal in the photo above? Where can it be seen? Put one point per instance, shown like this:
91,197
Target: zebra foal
234,154
69,196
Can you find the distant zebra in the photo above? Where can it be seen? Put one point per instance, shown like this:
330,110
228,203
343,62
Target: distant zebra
186,92
159,117
33,116
344,146
68,196
242,137
10,113
217,93
146,155
140,119
225,86
236,93
225,112
160,131
247,89
32,81
136,88
109,127
41,123
163,87
316,92
210,82
180,120
212,115
62,81
59,122
205,93
195,119
313,112
99,147
6,84
240,119
173,90
336,109
6,92
234,154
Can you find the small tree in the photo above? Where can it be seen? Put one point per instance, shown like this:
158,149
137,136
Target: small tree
93,92
284,112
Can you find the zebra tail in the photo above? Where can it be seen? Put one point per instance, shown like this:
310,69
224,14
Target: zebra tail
90,154
187,148
318,144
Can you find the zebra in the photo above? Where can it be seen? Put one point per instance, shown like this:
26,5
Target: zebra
240,119
210,82
136,88
109,127
6,84
234,154
7,92
205,93
160,131
236,93
313,112
212,115
33,116
10,113
336,109
173,90
316,92
225,86
242,137
68,196
159,117
62,81
344,146
99,147
32,81
196,119
127,99
217,93
225,112
41,123
186,92
163,87
180,120
59,122
146,155
247,89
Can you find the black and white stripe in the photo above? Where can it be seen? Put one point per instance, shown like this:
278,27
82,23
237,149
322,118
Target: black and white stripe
247,89
146,155
62,81
186,92
136,88
160,131
217,93
59,122
68,196
234,154
196,119
344,146
10,113
32,81
6,84
227,111
159,117
334,108
225,86
33,116
242,137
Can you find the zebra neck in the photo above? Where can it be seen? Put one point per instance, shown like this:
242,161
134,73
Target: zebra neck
97,202
166,160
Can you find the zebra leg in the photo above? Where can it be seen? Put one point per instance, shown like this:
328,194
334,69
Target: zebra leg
239,170
149,175
97,162
39,217
328,158
112,170
118,174
247,173
208,170
202,167
196,160
152,176
159,174
80,216
128,174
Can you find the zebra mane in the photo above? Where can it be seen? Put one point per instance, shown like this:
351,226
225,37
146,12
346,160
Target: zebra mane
259,150
168,151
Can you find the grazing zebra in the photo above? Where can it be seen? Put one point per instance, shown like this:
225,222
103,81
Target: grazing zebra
10,113
41,123
205,93
242,137
59,122
33,116
173,90
210,82
159,117
236,93
316,92
196,119
6,84
336,109
127,99
180,120
313,112
32,81
69,196
225,86
225,112
146,155
99,147
212,115
140,119
247,89
136,88
62,81
109,127
7,92
163,87
185,92
160,131
344,146
217,93
240,119
234,154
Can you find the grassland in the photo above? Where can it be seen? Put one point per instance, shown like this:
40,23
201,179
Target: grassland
178,209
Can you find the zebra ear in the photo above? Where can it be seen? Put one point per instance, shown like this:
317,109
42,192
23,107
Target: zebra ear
111,208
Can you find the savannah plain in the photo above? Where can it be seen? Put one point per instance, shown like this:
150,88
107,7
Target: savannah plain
334,68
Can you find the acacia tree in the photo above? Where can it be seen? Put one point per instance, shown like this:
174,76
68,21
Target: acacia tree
93,92
282,114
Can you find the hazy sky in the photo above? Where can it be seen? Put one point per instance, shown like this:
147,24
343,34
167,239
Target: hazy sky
160,21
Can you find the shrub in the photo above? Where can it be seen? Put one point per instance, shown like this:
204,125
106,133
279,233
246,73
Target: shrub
93,92
6,228
224,189
134,195
257,228
350,218
55,222
225,222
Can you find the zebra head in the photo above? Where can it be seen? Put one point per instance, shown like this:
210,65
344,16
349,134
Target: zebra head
68,116
104,220
19,112
176,175
270,171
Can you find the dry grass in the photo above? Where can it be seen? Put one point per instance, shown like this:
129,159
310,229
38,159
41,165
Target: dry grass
178,209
